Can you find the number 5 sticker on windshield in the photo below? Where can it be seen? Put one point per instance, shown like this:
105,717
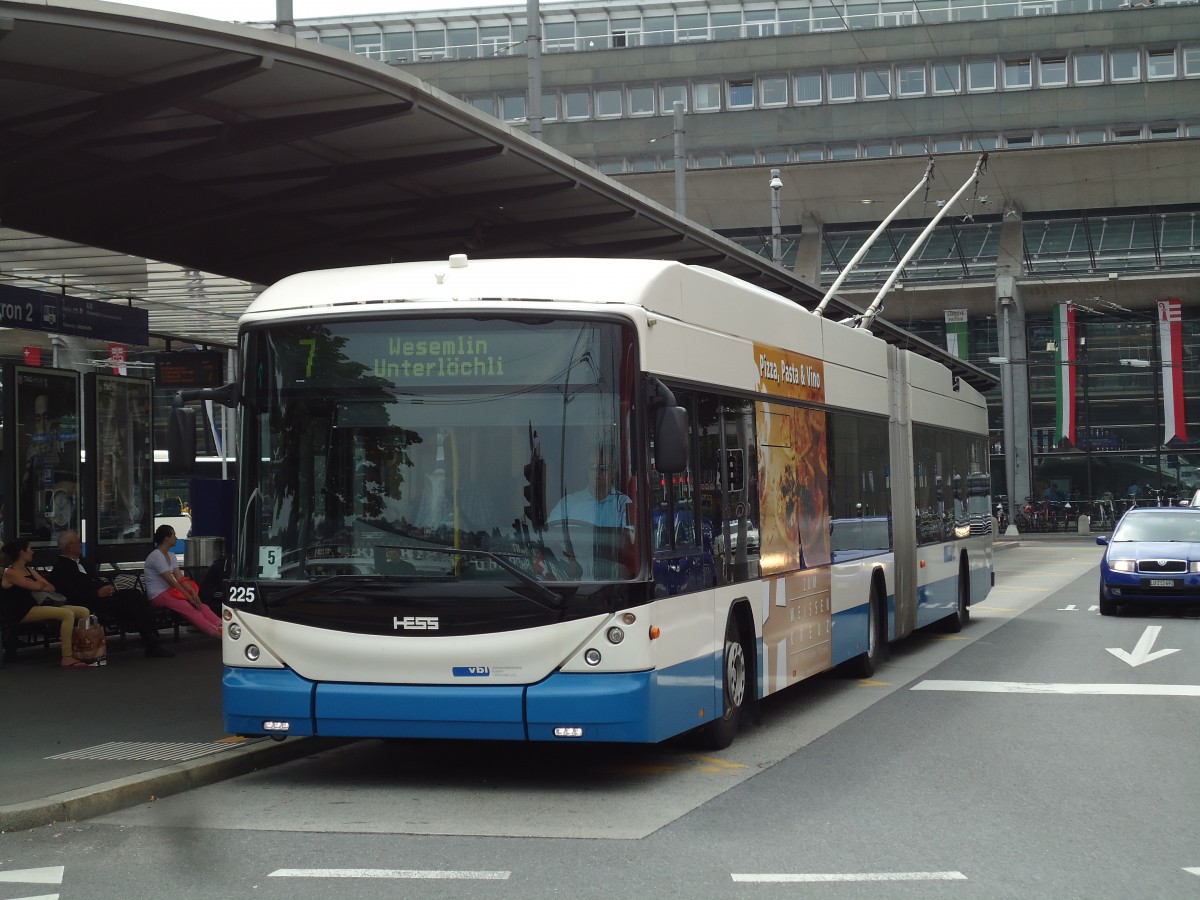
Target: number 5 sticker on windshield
268,561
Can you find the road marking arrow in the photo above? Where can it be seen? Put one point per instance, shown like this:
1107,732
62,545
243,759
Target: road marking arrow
1141,653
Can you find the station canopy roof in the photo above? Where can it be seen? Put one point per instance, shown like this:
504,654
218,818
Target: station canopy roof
179,164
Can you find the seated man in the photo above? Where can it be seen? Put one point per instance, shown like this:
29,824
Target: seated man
595,526
80,583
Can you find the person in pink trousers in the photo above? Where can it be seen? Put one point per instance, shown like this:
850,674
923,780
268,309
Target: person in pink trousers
166,585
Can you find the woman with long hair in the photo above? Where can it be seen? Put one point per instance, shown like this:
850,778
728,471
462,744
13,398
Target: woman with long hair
166,585
18,607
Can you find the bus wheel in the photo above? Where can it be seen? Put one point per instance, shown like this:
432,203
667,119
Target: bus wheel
720,733
954,622
865,664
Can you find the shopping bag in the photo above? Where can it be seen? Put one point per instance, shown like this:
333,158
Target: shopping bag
87,642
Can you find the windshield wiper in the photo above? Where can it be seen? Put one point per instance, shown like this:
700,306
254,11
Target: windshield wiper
309,585
549,599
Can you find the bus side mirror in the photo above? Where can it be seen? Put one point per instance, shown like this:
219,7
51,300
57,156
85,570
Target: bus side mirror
671,440
181,439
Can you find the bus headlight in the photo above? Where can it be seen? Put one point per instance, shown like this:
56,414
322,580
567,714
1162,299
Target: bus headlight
235,631
615,635
592,657
252,652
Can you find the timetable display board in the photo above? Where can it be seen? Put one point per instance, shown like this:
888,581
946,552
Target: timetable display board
120,459
44,408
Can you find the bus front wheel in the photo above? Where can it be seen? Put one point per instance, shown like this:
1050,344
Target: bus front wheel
865,664
720,733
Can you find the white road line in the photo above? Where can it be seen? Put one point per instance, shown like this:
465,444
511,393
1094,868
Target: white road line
826,877
421,874
1023,687
45,875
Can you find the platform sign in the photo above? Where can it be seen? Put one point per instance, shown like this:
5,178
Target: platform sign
41,311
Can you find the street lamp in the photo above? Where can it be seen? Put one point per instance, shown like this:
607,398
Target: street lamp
776,242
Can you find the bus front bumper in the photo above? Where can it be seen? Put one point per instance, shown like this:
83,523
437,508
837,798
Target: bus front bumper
585,707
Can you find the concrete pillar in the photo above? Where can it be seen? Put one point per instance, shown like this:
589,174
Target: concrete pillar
808,250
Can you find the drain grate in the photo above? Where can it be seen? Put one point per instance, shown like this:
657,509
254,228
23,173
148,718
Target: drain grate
144,750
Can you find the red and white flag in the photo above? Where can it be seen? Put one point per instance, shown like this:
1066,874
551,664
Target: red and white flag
116,356
1170,349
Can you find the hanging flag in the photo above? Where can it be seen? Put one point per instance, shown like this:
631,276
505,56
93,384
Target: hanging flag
1170,350
956,332
1064,374
116,358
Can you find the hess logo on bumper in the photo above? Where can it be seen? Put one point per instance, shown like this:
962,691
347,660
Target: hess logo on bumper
415,623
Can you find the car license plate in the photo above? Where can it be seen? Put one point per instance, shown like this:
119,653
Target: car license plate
1162,582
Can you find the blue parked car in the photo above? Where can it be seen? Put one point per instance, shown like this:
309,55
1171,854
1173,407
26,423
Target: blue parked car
1153,557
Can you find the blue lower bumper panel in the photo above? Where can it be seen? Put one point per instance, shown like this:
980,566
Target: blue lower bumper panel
636,706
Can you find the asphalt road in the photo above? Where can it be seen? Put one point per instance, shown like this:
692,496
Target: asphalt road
1020,758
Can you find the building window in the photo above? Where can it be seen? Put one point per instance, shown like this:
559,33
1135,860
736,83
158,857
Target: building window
558,37
691,27
577,104
841,86
741,93
658,30
641,101
772,91
1160,64
1090,137
1089,67
947,78
1191,62
1126,65
1127,134
874,151
707,96
1163,132
549,107
612,166
1054,138
1018,141
669,94
464,43
809,154
513,107
981,75
496,40
643,164
843,151
807,88
742,158
772,157
368,45
911,81
727,25
877,83
913,148
1018,73
608,103
397,46
1052,71
947,145
979,144
341,41
485,104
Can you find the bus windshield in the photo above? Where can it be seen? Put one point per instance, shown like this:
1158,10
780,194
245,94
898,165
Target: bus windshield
438,449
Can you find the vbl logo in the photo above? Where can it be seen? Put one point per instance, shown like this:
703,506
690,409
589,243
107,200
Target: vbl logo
472,671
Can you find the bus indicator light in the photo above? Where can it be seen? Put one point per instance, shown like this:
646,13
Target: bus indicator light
654,632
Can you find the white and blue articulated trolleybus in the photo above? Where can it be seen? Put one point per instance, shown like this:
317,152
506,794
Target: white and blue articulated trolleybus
581,500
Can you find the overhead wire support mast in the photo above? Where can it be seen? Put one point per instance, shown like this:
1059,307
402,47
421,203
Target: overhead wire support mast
877,304
862,251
